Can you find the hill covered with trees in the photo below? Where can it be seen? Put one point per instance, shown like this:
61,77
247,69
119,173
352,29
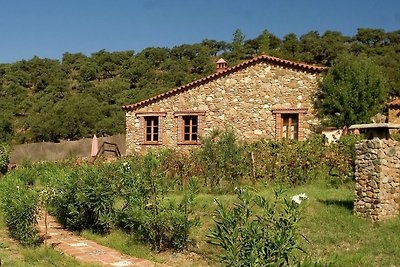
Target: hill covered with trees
49,100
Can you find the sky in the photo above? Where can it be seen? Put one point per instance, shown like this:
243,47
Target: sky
49,28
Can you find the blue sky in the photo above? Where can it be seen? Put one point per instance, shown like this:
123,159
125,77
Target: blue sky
49,28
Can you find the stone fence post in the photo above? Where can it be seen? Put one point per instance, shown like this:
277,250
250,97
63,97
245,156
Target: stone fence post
377,179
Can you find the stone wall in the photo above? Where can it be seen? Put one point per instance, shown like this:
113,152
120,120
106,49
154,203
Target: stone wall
377,179
46,151
394,114
242,100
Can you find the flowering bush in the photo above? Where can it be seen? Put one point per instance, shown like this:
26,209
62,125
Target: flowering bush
266,238
299,198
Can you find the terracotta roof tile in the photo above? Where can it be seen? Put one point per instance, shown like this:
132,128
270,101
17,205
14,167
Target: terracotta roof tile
394,103
275,60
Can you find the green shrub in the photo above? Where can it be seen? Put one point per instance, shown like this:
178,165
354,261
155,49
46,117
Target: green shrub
85,200
150,214
340,159
288,162
222,159
178,166
4,157
20,206
256,232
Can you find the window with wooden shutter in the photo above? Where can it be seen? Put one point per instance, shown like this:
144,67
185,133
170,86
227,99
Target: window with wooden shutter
289,123
189,127
151,130
151,127
290,126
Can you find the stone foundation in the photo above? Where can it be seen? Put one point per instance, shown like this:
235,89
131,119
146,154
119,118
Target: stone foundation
377,179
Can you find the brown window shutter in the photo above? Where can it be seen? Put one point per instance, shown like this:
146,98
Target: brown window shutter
180,125
298,112
142,126
278,127
179,130
142,130
199,127
301,126
160,129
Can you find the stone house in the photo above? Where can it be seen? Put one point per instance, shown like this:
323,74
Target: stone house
265,97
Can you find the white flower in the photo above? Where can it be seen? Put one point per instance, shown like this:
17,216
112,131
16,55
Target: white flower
303,196
298,198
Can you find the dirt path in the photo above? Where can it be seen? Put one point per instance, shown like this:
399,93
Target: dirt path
86,250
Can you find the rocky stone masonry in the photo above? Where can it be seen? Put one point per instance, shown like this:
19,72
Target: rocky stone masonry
242,100
394,114
377,179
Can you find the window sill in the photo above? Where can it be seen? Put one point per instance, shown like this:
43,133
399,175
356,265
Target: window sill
189,143
151,143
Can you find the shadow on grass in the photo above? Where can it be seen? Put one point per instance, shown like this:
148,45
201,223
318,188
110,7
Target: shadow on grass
348,204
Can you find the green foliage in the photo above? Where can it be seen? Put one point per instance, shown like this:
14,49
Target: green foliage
238,51
35,92
223,162
340,159
6,128
84,200
149,213
257,232
19,203
222,158
264,42
352,92
4,157
288,162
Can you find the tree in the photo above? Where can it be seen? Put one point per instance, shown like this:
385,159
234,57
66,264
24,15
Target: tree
333,44
310,45
6,128
370,37
264,42
238,51
215,47
290,45
73,62
352,91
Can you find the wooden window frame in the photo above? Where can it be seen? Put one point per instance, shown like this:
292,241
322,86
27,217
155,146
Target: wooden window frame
280,114
144,118
288,133
181,117
151,129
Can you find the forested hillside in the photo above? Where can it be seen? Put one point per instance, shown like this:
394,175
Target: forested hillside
49,100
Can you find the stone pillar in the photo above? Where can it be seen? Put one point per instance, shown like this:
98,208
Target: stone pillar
377,179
